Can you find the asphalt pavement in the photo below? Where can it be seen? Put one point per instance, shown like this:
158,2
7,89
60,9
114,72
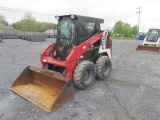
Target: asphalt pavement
131,92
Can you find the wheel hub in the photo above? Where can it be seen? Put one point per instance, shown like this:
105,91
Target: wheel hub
87,76
106,69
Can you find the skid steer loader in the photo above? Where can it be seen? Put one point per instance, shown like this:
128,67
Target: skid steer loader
81,52
151,43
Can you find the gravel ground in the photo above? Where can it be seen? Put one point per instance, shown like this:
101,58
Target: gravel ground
132,91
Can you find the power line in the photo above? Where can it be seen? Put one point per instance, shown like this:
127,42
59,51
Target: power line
25,11
139,12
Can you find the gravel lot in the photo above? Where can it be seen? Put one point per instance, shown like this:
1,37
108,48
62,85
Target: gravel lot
132,91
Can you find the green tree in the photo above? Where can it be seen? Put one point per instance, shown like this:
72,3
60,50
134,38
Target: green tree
31,22
126,30
43,26
28,23
3,21
117,29
134,30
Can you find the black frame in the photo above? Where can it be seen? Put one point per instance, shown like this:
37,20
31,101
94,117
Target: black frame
77,20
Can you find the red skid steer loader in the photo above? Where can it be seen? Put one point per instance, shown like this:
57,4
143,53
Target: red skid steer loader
81,52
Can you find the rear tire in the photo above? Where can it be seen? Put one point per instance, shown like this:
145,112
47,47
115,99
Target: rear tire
84,74
103,67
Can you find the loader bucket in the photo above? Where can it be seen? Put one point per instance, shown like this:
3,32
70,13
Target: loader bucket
149,49
43,88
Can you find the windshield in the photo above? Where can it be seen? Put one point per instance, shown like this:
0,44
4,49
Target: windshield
65,35
86,30
153,35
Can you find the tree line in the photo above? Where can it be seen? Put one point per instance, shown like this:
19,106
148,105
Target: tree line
3,21
29,24
122,29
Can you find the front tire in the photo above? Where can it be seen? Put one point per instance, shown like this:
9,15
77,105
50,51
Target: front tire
84,74
103,67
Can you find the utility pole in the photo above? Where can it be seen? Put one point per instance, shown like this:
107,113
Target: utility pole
139,12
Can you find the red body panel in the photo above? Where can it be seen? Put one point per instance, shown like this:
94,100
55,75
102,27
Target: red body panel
47,52
73,56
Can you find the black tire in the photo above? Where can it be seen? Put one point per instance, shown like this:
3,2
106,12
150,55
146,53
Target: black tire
84,74
103,67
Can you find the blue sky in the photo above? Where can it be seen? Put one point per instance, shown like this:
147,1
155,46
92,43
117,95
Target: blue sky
110,10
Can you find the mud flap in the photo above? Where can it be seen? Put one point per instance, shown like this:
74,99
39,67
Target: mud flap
44,89
149,49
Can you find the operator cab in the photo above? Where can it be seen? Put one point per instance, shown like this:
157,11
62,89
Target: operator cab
73,30
153,35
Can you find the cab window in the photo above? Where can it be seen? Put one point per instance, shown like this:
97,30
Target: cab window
86,30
